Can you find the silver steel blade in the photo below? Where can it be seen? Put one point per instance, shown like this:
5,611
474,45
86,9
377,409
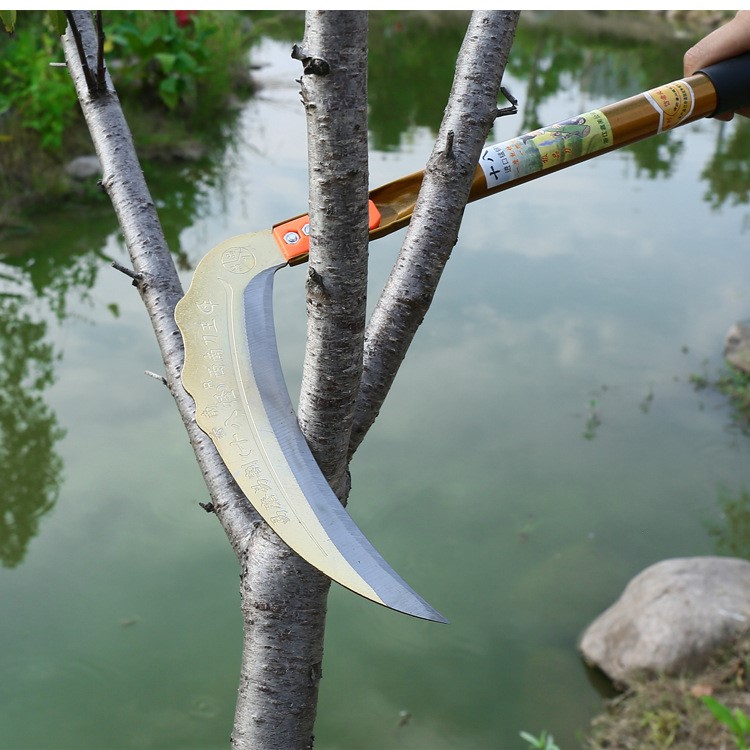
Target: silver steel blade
233,372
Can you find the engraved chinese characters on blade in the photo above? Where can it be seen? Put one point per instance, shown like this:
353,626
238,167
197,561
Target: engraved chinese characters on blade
223,417
263,493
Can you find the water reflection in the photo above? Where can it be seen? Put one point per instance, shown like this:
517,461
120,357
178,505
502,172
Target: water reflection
407,93
41,273
727,172
411,67
29,431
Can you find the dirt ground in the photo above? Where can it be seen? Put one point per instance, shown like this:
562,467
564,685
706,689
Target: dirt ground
668,712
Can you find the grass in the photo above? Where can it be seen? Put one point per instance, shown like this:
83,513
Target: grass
671,712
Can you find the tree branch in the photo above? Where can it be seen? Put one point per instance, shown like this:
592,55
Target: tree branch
433,231
159,284
336,109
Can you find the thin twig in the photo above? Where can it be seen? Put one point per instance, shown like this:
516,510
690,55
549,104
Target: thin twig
137,277
156,376
101,77
88,75
512,109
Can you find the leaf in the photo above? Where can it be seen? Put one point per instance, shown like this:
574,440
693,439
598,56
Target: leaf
8,19
167,61
58,21
721,712
743,720
187,62
169,93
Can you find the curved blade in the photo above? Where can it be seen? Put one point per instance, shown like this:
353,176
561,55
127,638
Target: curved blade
232,370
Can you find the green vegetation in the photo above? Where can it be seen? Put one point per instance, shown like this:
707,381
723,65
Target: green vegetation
543,742
733,535
735,385
32,92
737,721
8,20
162,61
178,74
193,62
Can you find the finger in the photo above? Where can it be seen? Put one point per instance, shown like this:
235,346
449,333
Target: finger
727,41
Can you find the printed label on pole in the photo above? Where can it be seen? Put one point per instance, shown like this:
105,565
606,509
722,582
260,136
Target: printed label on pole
672,102
552,146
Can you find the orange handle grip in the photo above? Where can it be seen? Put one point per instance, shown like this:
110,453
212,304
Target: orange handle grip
293,235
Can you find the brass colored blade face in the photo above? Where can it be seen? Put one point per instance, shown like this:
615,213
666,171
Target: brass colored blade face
233,373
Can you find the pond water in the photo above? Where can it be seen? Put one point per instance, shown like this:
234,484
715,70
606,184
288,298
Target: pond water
542,443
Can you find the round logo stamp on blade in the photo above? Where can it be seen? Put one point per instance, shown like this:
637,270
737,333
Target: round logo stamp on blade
238,260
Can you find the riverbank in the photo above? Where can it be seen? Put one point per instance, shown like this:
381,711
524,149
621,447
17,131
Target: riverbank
669,712
181,81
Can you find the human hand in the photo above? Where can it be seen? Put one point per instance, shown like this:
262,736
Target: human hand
729,40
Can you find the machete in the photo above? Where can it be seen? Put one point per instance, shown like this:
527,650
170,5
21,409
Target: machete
232,367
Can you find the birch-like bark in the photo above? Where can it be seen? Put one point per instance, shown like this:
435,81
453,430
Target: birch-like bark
433,230
334,93
157,279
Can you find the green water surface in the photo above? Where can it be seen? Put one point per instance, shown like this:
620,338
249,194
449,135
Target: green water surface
542,443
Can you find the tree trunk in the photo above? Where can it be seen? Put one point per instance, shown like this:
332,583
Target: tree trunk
283,598
279,687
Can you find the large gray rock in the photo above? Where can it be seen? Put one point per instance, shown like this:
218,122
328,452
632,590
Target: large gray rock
83,167
670,618
737,346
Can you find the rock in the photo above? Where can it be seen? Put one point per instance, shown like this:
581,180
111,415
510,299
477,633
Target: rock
83,167
670,618
737,346
189,151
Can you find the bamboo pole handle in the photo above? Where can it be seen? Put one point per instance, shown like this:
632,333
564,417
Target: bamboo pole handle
718,88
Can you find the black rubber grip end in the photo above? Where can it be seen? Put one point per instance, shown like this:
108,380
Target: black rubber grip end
731,79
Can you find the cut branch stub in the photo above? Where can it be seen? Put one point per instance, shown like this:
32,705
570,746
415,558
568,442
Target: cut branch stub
310,65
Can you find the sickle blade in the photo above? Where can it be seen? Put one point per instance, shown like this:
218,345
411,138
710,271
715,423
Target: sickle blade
233,373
